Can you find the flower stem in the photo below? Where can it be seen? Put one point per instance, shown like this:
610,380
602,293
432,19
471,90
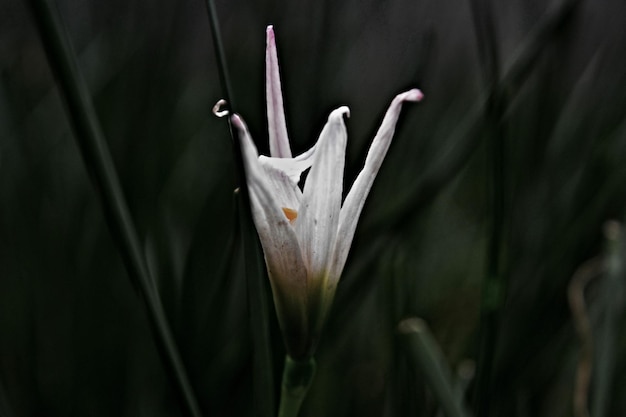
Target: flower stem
297,378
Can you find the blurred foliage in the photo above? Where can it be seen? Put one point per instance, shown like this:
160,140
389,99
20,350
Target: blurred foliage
74,339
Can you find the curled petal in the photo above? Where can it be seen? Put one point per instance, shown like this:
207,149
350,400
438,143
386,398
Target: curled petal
279,141
220,109
355,199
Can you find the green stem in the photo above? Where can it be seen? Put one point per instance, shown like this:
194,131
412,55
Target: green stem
297,378
99,163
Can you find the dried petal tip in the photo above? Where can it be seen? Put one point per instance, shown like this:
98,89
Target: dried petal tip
221,108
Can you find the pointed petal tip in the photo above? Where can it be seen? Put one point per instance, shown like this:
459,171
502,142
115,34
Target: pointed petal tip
269,31
237,121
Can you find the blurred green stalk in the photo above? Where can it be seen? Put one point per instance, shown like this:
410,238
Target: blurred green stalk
222,65
494,285
297,379
428,360
611,299
100,166
495,282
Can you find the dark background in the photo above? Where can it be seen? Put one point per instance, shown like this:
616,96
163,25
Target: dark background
74,337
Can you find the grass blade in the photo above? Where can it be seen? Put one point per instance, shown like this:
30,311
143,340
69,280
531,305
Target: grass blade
426,357
102,172
254,266
495,281
220,55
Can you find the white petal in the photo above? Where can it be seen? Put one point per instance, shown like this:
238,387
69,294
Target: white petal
355,199
285,191
279,141
283,257
321,201
293,167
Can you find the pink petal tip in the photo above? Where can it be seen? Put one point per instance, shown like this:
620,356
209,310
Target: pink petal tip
235,119
412,95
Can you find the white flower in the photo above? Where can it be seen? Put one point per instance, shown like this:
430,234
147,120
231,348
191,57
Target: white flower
306,233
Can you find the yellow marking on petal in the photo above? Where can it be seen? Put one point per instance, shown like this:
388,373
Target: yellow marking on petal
291,214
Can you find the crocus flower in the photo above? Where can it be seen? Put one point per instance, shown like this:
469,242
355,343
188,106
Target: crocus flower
306,232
